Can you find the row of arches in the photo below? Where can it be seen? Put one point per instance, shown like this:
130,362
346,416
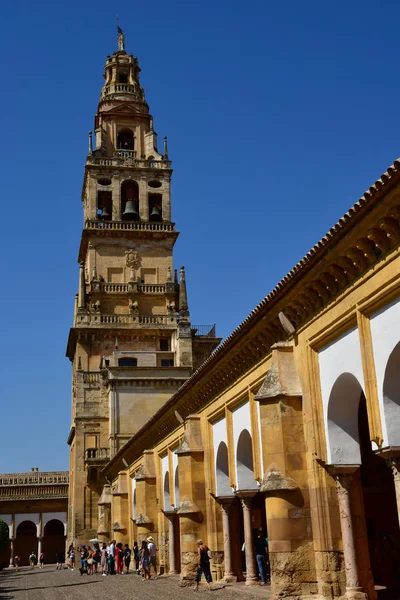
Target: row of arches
26,541
376,530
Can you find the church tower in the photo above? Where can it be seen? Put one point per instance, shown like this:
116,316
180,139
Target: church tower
132,343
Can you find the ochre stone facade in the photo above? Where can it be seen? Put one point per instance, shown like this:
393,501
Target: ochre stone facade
291,426
132,344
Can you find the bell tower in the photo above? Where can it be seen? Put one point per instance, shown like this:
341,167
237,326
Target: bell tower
132,343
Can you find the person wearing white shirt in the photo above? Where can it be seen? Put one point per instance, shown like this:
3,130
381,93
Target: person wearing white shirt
153,555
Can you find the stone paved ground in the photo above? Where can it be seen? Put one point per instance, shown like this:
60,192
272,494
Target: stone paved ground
49,584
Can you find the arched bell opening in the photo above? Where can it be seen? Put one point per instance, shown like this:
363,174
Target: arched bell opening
126,140
223,487
53,540
155,207
372,494
130,201
104,205
391,398
25,541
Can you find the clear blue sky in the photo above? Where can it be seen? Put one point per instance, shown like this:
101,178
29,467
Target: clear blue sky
278,116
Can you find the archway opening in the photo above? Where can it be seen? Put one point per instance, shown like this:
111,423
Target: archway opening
222,471
391,397
176,488
53,540
5,553
376,531
130,201
244,462
126,140
25,541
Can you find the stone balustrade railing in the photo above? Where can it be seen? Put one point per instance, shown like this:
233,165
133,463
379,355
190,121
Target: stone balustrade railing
95,454
129,225
122,88
127,158
91,377
123,288
94,319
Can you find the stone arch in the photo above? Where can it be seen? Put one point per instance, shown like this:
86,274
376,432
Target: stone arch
167,494
26,540
343,434
134,503
53,540
222,471
244,462
176,488
391,397
125,140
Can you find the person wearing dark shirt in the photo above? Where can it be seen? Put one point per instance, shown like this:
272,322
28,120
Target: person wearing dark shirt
261,556
127,557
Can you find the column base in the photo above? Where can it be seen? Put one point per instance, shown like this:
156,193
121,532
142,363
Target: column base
173,572
252,581
354,593
229,578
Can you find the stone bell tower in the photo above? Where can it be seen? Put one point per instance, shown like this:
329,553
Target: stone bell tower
132,344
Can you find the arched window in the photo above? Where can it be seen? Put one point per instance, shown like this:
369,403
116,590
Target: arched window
244,462
155,207
130,201
125,140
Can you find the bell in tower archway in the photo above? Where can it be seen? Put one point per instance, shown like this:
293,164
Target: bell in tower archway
130,213
155,214
105,215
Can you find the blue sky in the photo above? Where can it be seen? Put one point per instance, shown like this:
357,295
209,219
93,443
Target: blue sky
278,116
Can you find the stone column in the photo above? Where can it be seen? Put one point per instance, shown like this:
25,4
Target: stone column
229,575
39,547
12,540
343,479
251,573
171,543
394,464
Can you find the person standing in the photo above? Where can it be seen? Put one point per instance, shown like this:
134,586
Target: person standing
136,556
60,559
145,560
261,556
41,560
127,557
84,556
119,556
111,557
17,560
153,556
32,559
103,562
203,564
71,557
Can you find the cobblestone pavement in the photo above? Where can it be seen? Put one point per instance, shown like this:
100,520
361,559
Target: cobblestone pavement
50,584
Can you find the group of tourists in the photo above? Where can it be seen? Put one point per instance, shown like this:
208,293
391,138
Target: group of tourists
114,558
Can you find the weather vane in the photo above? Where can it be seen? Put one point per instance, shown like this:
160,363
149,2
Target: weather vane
121,37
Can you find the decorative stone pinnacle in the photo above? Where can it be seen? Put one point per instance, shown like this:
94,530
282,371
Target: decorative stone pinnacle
165,147
183,302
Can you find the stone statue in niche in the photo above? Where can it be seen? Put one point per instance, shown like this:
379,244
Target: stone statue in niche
132,258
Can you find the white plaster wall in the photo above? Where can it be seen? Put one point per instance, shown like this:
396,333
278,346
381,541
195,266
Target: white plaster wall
177,500
59,516
241,420
385,332
341,356
164,468
33,517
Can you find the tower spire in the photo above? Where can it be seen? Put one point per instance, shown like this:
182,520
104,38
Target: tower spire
183,302
121,37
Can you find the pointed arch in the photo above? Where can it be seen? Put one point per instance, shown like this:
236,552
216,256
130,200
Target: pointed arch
391,397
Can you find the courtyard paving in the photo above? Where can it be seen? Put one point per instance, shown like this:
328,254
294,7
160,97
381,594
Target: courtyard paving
50,584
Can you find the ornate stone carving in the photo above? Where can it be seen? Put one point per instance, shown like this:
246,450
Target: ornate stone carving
275,481
132,258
